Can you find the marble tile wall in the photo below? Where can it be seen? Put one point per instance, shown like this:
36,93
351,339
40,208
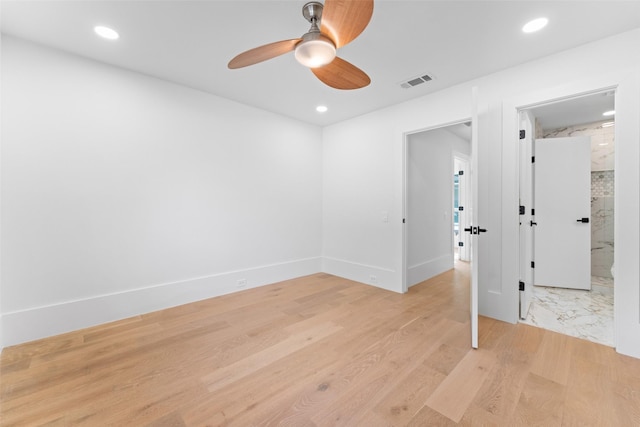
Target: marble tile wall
601,236
602,190
602,142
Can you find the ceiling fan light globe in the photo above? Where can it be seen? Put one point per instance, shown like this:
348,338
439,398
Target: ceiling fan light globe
315,53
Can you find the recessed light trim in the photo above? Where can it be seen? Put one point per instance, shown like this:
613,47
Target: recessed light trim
106,32
322,109
535,25
609,113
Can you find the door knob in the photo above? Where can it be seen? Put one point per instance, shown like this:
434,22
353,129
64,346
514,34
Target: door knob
583,220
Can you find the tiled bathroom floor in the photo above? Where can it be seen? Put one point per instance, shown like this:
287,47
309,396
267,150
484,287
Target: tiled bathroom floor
578,313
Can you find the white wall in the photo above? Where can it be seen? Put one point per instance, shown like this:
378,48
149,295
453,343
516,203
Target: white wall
430,201
369,149
124,194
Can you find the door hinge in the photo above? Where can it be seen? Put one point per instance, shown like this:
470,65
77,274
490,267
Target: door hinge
460,244
521,285
533,264
533,211
403,220
521,211
460,172
460,208
533,159
522,134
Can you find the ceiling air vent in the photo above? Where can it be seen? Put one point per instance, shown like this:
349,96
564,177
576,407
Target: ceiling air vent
416,81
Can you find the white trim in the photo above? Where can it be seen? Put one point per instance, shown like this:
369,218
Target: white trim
362,273
426,270
39,322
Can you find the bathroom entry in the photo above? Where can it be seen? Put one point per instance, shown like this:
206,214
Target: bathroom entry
546,173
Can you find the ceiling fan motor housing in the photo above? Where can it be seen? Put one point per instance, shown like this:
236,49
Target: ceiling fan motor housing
315,50
312,11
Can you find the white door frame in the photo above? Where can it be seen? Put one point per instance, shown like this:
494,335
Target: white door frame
626,83
526,218
405,188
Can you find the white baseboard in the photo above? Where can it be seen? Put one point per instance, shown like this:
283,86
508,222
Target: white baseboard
428,269
370,275
40,322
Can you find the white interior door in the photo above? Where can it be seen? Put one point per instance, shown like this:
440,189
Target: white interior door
562,193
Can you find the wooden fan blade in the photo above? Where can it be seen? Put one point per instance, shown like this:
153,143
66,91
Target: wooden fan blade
340,74
262,53
344,20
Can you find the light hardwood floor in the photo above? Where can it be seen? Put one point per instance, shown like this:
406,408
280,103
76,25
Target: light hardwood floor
319,351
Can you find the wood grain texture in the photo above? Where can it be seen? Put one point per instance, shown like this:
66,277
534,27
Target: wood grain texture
262,53
340,74
454,395
318,351
344,20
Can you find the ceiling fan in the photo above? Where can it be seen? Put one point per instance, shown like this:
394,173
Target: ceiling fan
333,25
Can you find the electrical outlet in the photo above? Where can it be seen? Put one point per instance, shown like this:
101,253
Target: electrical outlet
373,279
242,283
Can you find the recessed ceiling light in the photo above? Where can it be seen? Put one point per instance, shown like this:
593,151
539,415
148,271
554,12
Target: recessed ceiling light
321,108
106,32
535,25
609,113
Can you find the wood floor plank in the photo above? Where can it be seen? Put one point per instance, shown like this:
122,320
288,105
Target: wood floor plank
515,350
406,399
553,359
589,398
416,338
454,395
219,378
626,400
429,417
541,403
318,351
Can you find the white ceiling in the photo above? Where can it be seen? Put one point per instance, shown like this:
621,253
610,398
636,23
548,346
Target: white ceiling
190,43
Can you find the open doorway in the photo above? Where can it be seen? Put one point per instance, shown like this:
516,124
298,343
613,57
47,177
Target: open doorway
431,211
550,257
